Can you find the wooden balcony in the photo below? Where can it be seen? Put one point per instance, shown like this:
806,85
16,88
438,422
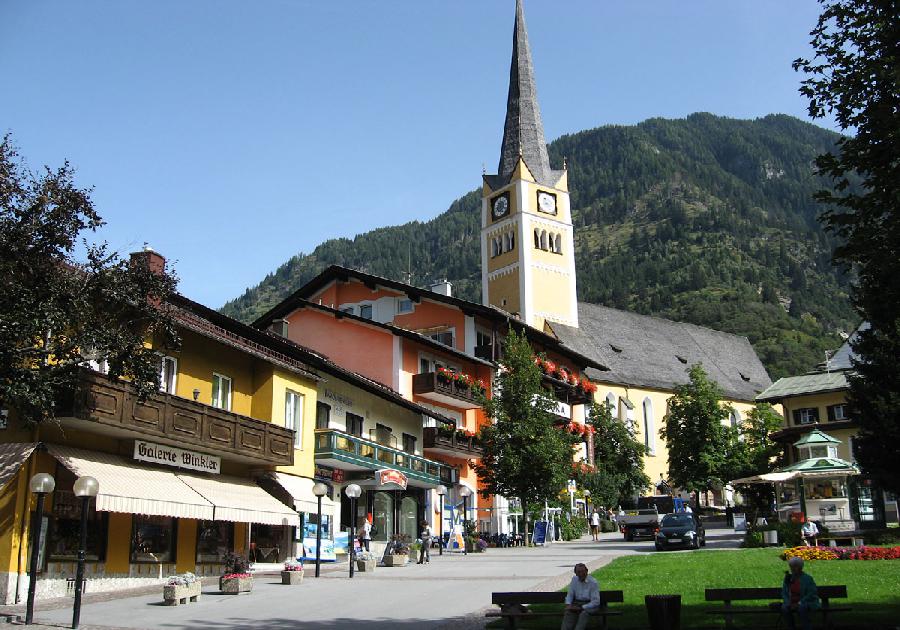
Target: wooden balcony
429,385
452,445
169,419
565,392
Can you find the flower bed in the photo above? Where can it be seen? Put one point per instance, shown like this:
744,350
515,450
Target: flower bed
842,553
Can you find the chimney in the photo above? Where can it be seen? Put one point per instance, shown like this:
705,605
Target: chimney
153,260
443,287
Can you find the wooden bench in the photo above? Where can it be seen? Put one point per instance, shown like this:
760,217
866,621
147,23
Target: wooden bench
729,595
837,540
511,605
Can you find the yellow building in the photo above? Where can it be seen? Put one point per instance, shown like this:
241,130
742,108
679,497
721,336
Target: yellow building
818,400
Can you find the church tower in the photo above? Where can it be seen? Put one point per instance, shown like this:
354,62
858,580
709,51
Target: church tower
527,241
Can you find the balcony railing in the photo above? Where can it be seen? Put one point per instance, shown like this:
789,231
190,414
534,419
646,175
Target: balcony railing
565,391
360,452
177,421
452,444
431,386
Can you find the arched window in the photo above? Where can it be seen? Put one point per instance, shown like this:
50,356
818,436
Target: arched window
649,428
551,242
611,404
559,243
544,240
409,512
383,516
735,419
512,242
537,238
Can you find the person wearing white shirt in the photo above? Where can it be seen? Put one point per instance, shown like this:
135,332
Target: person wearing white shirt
595,524
582,600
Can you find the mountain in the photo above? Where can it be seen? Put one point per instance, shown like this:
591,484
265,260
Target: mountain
708,220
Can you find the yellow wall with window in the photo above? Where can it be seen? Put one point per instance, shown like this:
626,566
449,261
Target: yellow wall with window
822,402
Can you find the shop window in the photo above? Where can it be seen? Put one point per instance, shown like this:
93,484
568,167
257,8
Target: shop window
837,413
153,538
221,392
826,489
409,443
409,511
354,424
383,516
808,415
323,415
168,375
214,540
65,525
293,415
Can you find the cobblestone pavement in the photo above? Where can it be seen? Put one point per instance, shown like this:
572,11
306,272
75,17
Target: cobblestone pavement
451,593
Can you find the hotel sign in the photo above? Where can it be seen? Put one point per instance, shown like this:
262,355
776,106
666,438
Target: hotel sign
178,457
387,476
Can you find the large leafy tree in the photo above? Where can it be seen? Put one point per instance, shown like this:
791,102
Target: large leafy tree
618,474
855,77
56,312
701,448
526,454
755,452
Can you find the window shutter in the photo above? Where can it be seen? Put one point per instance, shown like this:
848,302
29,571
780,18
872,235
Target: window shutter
796,414
831,413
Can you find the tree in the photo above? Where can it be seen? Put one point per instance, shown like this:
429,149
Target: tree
756,453
618,474
526,454
56,313
698,442
853,77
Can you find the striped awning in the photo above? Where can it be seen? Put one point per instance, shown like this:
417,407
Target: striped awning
300,489
128,487
12,456
241,500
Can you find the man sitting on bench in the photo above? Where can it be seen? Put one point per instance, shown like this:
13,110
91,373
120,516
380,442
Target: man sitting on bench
582,600
798,595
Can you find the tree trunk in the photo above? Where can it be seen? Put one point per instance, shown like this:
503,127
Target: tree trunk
525,518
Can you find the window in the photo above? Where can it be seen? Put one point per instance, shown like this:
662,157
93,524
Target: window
537,239
404,305
409,443
347,309
293,415
365,311
552,243
153,538
611,404
544,240
214,540
65,524
559,244
221,392
354,424
808,415
168,374
837,413
735,419
445,337
323,415
382,516
649,436
509,241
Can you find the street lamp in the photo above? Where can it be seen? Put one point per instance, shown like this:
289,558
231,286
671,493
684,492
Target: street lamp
587,500
41,484
353,491
320,490
441,491
85,488
465,492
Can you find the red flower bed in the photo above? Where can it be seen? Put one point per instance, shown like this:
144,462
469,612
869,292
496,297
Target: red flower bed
868,553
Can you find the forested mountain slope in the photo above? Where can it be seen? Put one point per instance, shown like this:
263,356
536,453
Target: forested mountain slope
708,220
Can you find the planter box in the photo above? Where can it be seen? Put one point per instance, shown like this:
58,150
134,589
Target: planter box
235,586
396,560
177,594
291,577
365,566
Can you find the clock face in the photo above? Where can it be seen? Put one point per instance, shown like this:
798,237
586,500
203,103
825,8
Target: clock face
500,207
546,202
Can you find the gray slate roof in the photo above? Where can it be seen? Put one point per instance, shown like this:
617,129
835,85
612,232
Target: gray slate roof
645,351
523,131
815,383
842,359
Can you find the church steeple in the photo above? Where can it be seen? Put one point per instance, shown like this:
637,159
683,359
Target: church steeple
523,132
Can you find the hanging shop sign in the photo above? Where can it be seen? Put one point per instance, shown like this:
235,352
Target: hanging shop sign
329,474
388,475
178,457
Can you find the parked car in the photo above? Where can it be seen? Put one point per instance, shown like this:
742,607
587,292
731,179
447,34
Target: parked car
680,530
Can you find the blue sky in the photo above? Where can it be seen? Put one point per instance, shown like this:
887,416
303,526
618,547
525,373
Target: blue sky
232,135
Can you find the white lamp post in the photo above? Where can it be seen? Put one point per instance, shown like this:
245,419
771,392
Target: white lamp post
320,490
441,491
465,492
353,491
85,488
40,485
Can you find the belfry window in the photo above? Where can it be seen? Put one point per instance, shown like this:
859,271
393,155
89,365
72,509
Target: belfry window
559,244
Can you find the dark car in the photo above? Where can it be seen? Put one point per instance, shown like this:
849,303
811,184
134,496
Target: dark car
680,530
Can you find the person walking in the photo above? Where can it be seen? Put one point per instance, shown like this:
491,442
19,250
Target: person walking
798,595
366,536
582,600
595,525
424,552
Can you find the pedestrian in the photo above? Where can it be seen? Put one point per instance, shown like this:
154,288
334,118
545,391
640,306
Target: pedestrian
582,600
809,532
366,536
595,525
729,514
424,553
798,595
687,508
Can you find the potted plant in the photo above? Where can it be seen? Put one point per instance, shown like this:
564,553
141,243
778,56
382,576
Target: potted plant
236,577
365,562
292,573
398,551
181,589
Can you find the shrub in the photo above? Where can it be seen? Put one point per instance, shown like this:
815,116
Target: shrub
753,539
573,528
883,536
608,526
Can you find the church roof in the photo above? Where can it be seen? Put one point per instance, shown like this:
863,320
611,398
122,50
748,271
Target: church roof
523,131
645,351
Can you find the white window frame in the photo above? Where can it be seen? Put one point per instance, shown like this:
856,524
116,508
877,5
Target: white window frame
293,415
433,360
807,418
225,405
371,308
843,409
401,302
649,427
163,385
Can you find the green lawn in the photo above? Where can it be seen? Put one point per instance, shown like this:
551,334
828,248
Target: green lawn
873,586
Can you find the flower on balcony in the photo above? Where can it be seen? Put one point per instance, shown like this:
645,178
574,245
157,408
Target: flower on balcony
573,379
587,386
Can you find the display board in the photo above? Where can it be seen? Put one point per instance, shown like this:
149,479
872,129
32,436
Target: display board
539,535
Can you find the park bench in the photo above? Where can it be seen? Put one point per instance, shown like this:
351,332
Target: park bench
729,595
512,605
836,540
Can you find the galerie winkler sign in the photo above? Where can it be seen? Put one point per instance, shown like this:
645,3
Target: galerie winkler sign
171,456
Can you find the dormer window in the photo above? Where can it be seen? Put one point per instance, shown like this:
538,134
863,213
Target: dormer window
615,348
681,359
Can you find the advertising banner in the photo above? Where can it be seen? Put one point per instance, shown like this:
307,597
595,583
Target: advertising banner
539,535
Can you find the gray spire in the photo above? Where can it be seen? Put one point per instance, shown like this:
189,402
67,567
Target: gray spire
523,133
